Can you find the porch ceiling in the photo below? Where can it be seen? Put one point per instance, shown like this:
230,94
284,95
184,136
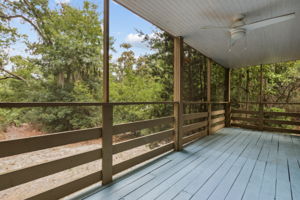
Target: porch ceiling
275,43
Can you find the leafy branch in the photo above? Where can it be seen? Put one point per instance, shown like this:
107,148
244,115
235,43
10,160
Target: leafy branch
12,75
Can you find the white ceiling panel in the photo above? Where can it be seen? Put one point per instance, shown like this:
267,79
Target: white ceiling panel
275,43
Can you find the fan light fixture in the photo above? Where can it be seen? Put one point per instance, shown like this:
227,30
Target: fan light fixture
239,28
237,33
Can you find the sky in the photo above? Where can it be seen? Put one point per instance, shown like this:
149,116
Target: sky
123,26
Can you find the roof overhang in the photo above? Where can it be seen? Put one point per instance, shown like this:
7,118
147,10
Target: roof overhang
275,43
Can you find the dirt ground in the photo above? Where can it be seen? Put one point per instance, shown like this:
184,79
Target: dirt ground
29,159
25,130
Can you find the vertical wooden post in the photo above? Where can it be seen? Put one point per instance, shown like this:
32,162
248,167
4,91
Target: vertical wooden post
178,92
208,95
106,51
107,109
227,97
107,117
261,105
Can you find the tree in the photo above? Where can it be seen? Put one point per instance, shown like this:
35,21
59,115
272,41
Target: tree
124,63
65,59
281,83
128,84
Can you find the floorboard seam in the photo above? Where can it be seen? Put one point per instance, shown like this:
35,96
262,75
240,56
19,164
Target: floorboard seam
241,170
232,164
246,146
210,152
257,160
216,170
217,187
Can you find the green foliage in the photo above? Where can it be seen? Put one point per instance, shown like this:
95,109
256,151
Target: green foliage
130,85
75,49
281,83
10,118
160,62
277,109
217,83
65,65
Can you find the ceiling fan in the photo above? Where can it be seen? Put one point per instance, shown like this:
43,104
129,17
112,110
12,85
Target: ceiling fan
239,28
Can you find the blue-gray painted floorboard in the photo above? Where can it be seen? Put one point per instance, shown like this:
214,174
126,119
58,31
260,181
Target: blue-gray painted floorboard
232,164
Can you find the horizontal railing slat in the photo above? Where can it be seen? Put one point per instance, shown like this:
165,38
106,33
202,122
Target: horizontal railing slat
250,102
245,112
245,126
283,130
139,125
217,112
24,145
69,188
216,120
204,102
246,119
72,104
282,122
288,114
195,116
194,126
283,103
141,103
47,104
194,136
217,127
31,173
130,144
141,158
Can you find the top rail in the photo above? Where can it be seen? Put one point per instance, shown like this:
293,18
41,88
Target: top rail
141,103
280,103
292,103
47,104
205,102
73,104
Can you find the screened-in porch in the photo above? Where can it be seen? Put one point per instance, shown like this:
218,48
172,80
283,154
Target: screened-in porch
202,141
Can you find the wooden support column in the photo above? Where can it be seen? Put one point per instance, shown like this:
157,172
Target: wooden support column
106,51
107,109
227,97
178,92
208,95
261,105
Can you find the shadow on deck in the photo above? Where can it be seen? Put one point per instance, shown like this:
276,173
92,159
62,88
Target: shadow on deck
232,164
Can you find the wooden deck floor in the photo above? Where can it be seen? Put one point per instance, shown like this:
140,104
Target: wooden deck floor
232,164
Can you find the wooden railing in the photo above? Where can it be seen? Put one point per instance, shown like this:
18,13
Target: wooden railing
133,143
266,120
207,122
196,126
218,120
197,130
27,174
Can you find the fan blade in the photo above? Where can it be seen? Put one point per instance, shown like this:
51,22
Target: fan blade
215,27
233,40
267,22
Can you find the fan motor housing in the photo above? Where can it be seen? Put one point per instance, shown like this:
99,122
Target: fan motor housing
237,33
